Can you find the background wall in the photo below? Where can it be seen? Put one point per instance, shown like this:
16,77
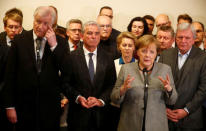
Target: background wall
124,10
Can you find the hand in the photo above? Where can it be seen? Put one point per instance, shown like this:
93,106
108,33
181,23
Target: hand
51,37
166,83
64,101
93,101
126,85
11,115
171,116
82,100
181,113
175,115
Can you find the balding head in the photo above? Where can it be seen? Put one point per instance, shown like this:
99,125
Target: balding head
162,19
105,24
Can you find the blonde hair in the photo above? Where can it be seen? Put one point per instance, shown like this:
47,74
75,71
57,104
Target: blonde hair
146,40
125,35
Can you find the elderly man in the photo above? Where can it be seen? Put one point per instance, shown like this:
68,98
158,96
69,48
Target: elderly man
32,83
91,81
189,71
74,34
199,28
162,19
107,36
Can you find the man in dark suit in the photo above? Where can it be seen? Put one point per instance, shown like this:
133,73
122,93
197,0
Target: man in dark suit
91,82
74,34
188,65
107,33
12,26
32,83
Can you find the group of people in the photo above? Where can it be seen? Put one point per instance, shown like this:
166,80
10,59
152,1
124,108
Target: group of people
93,77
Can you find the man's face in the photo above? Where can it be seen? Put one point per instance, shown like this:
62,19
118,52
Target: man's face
105,24
41,25
165,39
199,32
150,24
74,32
13,28
91,37
184,40
106,12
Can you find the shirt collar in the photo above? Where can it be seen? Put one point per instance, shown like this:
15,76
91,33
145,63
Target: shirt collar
8,41
86,52
35,36
188,52
121,61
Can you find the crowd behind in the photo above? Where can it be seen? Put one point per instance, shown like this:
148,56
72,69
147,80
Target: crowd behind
92,77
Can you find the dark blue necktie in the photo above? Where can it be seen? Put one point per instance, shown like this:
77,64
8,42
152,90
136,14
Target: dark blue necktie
38,46
91,67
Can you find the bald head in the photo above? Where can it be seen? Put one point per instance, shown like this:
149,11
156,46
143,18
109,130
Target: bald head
162,19
105,24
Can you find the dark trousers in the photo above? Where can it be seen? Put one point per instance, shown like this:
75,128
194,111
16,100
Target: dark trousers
173,127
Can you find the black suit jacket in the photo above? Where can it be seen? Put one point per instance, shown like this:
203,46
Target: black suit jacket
80,118
36,97
190,84
110,45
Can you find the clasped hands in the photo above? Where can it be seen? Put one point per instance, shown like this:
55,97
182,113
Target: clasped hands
89,102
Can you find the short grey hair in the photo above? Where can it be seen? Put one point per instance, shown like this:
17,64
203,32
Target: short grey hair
90,23
73,21
185,26
43,11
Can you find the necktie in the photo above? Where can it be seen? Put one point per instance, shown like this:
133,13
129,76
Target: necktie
75,47
91,67
38,47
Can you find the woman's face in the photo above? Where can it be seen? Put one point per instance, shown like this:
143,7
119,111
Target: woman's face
127,47
147,56
137,28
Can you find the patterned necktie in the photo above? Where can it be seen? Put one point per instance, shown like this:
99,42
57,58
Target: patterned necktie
91,67
38,60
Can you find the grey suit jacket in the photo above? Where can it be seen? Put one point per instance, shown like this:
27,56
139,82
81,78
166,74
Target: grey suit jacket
132,102
191,85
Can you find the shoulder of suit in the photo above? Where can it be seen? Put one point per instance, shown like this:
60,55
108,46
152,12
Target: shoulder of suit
161,65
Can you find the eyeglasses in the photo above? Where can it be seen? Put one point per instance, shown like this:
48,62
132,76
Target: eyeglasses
13,26
106,26
76,30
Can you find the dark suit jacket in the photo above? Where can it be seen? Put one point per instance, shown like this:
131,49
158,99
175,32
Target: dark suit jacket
80,118
110,45
36,97
191,84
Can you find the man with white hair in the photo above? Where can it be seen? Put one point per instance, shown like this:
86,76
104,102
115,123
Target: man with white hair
32,83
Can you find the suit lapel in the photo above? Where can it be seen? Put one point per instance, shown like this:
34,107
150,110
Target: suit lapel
30,44
188,64
100,67
81,61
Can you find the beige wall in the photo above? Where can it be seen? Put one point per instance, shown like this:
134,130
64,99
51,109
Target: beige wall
124,10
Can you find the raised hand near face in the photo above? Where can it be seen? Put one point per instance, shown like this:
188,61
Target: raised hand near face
51,37
126,85
166,83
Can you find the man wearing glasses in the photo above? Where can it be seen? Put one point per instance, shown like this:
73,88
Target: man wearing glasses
74,33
